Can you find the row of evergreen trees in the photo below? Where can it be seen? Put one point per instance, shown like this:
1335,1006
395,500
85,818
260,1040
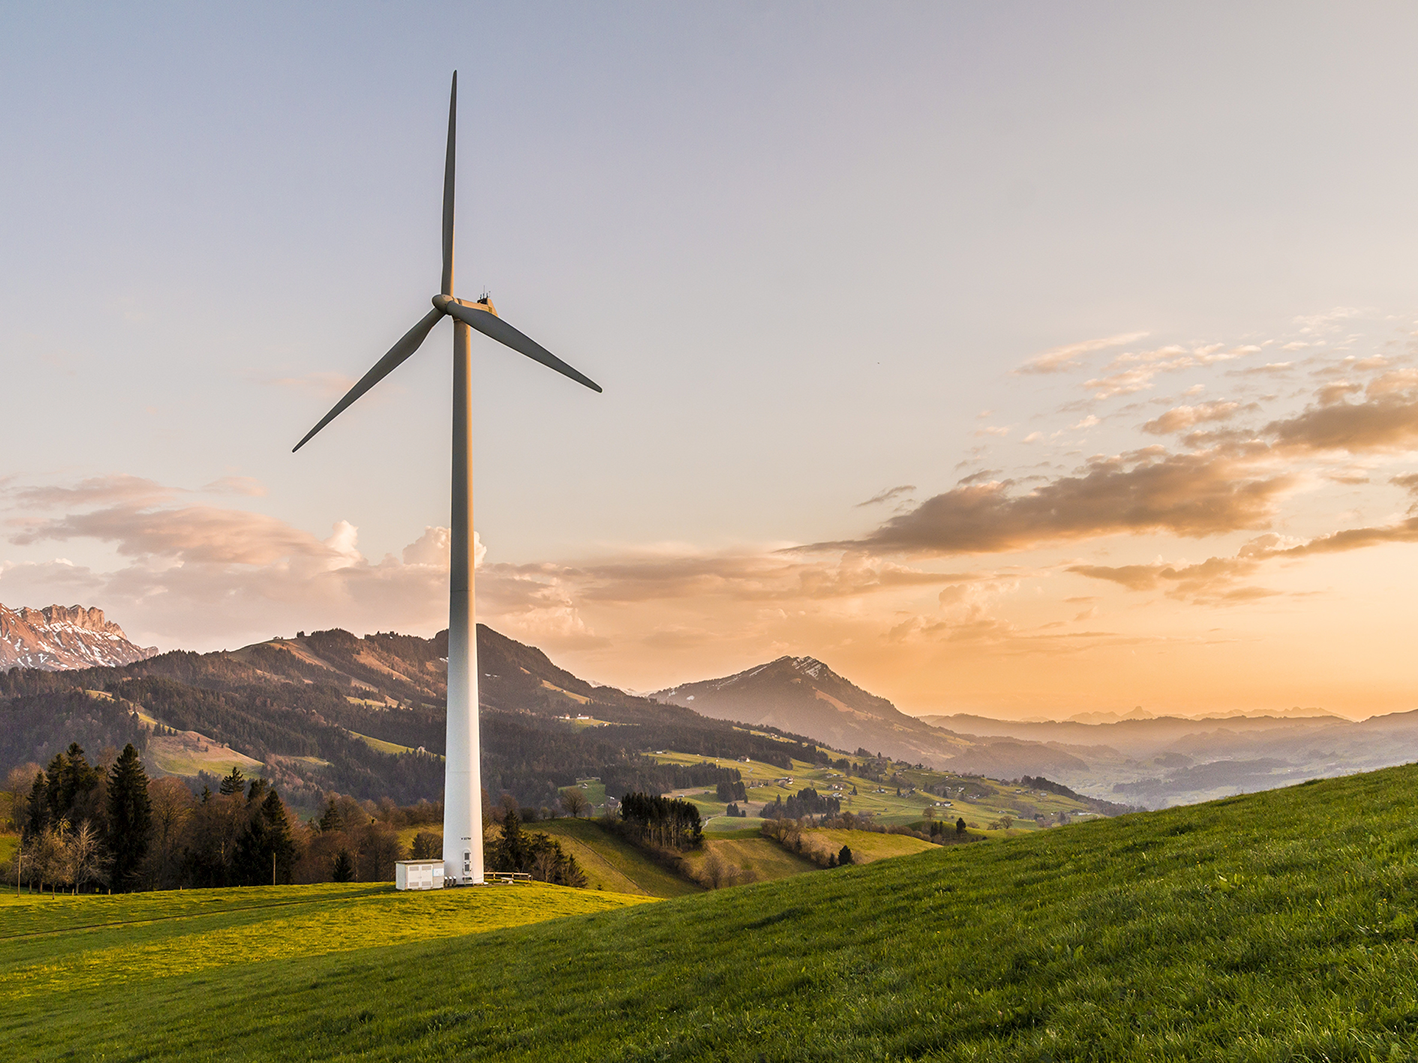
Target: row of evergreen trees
731,791
665,822
806,802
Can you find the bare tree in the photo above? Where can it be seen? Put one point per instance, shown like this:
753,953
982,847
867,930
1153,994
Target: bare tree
84,856
716,872
379,848
18,782
575,802
49,855
171,803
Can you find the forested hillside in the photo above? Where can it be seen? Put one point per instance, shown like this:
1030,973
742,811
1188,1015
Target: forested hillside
330,711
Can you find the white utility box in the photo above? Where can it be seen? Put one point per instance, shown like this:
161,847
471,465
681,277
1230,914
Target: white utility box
418,874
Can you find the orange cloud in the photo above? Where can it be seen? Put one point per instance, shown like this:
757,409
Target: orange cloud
1206,493
1181,418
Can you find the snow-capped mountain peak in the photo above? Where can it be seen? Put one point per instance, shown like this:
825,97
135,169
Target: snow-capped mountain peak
59,637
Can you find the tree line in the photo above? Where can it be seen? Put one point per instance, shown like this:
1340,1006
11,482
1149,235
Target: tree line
664,822
806,802
104,826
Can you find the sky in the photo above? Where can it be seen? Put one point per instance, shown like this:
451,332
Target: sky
1021,358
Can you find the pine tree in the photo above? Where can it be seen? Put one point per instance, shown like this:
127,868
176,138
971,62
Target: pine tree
510,853
344,867
960,827
38,813
234,783
844,857
266,838
331,818
278,834
129,817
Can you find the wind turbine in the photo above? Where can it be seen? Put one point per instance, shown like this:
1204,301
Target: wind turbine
462,781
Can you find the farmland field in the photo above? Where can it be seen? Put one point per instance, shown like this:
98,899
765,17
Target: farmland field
1275,926
979,801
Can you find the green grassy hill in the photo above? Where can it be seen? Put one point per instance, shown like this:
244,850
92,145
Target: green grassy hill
978,800
1275,926
610,862
753,858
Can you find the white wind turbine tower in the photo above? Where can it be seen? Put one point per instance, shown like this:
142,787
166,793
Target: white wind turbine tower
462,787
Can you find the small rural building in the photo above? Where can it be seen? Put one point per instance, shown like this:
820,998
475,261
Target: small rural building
418,874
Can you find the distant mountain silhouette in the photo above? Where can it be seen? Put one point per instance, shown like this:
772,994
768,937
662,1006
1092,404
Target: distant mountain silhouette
1167,760
805,696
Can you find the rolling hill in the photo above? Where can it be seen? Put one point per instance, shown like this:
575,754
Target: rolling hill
1270,926
365,717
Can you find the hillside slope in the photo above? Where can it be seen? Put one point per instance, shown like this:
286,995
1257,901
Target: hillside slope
803,695
365,717
1269,927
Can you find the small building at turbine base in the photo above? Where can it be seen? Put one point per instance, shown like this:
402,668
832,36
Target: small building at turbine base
418,874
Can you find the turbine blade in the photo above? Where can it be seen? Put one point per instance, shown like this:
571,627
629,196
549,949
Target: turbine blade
382,368
491,325
448,167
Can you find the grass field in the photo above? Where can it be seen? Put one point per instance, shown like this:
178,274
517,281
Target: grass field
764,860
982,800
79,944
1274,926
610,862
868,846
381,746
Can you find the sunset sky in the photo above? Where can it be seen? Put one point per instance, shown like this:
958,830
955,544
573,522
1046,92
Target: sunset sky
1016,358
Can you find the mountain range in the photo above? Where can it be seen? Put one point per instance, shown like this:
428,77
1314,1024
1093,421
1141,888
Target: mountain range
365,716
1136,759
330,711
58,637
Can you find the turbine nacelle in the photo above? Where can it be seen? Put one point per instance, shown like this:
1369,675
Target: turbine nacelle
441,303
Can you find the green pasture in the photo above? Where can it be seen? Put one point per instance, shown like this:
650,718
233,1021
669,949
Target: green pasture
609,861
612,863
381,746
866,846
762,859
986,800
81,944
1274,926
595,791
726,825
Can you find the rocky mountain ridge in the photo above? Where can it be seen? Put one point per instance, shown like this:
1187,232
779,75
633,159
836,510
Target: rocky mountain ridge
57,638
